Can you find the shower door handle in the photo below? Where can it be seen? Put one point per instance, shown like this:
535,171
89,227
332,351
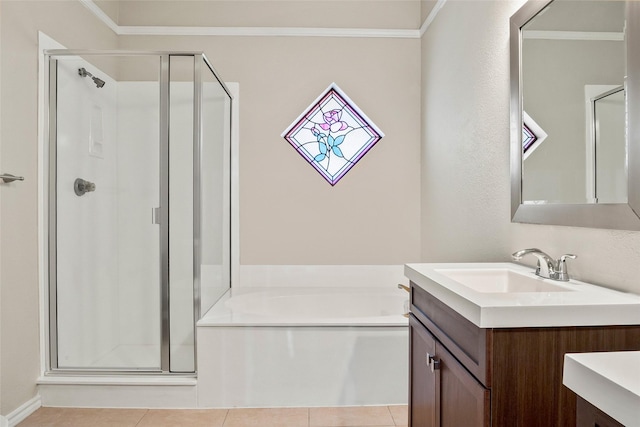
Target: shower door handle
7,178
155,216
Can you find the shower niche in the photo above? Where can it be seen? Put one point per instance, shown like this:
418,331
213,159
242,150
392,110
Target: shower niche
138,207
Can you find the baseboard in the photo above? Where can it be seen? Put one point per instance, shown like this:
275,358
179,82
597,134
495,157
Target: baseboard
19,415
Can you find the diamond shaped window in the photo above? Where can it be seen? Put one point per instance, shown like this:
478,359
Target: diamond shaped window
333,134
532,135
528,138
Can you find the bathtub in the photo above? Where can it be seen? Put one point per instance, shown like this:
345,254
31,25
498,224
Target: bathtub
287,347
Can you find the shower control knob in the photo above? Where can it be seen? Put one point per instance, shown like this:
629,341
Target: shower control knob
80,186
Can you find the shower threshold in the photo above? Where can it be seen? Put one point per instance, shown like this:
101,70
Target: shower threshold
118,391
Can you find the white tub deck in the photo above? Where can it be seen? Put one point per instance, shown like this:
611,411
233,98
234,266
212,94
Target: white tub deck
317,306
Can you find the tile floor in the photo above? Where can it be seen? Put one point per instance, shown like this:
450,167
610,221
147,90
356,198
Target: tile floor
361,416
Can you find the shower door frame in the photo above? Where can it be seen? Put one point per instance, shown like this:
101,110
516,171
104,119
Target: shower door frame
50,108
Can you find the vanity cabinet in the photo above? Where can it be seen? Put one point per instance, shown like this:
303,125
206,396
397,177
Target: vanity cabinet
463,375
590,416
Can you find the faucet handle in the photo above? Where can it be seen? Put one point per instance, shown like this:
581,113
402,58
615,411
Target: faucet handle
406,288
563,274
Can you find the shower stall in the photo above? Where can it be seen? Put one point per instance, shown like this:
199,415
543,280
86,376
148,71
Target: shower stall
138,208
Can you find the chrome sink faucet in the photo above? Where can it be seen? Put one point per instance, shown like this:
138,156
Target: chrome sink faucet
547,267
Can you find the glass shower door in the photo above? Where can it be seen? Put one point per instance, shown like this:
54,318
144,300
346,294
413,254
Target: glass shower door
139,200
105,239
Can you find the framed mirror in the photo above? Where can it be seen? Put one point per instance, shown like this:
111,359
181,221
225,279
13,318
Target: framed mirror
575,85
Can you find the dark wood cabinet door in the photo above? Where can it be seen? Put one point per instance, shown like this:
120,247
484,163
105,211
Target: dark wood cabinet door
463,400
422,382
590,416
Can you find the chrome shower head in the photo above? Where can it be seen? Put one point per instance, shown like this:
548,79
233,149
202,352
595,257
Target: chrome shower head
99,83
84,73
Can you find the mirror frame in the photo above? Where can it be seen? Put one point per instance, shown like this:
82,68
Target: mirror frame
620,216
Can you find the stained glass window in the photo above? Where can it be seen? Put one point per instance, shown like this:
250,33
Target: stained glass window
532,135
333,134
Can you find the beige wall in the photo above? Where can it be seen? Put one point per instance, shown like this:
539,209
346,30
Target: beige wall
288,213
72,25
465,156
465,133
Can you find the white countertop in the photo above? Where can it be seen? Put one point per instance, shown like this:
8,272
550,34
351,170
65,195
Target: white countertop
609,381
581,304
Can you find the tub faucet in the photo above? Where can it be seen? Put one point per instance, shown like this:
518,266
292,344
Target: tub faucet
547,267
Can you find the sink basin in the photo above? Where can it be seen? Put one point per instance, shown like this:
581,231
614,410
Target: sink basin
500,280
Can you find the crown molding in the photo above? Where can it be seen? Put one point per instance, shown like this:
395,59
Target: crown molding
267,32
124,30
432,15
99,13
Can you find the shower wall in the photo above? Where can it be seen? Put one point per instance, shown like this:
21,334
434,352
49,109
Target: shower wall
138,170
107,247
86,271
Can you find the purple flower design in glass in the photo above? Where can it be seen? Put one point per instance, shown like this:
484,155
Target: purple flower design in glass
333,134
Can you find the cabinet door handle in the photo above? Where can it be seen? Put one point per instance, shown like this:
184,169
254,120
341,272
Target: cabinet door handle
434,364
